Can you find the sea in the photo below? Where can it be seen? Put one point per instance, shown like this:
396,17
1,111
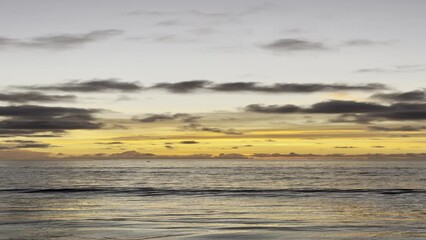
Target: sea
212,199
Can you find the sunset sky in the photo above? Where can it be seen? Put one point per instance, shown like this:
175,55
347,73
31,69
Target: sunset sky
104,79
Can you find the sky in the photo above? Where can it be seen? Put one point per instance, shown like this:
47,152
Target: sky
92,79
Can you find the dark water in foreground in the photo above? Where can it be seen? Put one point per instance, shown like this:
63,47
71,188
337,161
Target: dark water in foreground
229,199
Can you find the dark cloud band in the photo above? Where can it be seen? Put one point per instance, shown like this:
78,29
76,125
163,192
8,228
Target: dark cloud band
411,96
351,111
32,119
198,85
34,97
112,84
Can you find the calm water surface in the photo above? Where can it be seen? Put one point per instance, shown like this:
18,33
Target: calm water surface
212,199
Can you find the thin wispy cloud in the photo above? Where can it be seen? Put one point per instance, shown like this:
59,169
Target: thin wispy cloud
170,22
110,143
397,129
23,144
196,127
151,118
295,45
94,85
203,31
293,87
59,41
291,30
205,13
394,69
365,42
305,45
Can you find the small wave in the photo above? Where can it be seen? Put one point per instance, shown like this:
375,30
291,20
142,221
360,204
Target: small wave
146,191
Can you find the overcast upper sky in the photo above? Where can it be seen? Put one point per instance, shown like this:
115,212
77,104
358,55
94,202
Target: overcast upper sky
188,77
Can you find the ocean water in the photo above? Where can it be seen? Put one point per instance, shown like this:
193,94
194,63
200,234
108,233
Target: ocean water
212,199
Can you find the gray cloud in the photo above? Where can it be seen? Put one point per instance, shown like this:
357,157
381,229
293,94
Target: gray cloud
273,108
34,111
397,129
183,87
113,84
197,85
350,118
203,31
398,112
189,142
154,13
418,95
297,44
294,87
197,13
248,11
293,45
59,41
170,22
291,30
218,130
110,143
213,14
23,144
157,118
204,14
243,146
372,70
336,106
365,42
30,132
94,85
171,38
328,107
395,112
394,69
168,146
351,111
24,97
200,128
30,119
168,117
